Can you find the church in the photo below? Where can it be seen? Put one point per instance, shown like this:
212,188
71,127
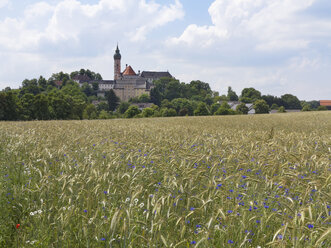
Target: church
127,83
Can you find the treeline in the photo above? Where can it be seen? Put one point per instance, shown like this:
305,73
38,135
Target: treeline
61,98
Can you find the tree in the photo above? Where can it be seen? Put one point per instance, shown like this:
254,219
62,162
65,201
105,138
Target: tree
147,112
131,112
242,109
144,98
40,107
168,112
87,89
103,106
104,115
123,107
281,109
322,108
155,96
232,96
291,102
214,108
201,110
306,107
112,99
90,112
9,106
274,106
225,109
250,95
261,107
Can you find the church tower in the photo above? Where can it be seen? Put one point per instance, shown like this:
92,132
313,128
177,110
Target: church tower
117,64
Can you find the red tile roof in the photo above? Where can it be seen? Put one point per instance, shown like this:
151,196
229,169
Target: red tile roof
129,71
325,102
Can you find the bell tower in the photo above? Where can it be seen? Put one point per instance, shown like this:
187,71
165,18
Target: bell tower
117,64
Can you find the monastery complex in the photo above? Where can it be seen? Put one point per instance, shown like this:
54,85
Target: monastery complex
126,84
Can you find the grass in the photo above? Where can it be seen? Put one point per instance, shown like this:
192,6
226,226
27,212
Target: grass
231,181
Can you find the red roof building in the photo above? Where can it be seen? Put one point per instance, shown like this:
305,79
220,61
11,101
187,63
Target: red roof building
129,71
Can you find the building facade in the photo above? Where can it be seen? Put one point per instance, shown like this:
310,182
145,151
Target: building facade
127,84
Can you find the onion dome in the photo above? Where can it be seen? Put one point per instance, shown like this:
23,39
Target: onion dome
117,54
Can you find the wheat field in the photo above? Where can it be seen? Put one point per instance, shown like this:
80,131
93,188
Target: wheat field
224,181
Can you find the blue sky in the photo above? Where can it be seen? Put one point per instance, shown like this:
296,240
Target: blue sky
277,47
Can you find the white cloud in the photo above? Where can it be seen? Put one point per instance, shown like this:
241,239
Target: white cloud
3,3
68,20
271,24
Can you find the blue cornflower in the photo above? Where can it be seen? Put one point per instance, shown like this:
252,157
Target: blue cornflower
230,241
230,211
192,208
105,192
198,226
279,236
241,204
231,190
85,211
258,221
310,226
244,177
102,239
193,242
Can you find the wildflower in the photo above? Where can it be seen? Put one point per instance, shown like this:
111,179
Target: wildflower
85,211
279,236
18,226
310,226
230,241
105,192
230,211
127,199
39,211
192,208
193,242
141,205
102,239
32,213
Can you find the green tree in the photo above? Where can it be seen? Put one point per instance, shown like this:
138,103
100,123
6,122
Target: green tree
225,109
9,106
104,115
274,106
147,112
242,109
201,110
112,99
144,98
27,106
232,96
250,95
306,107
40,106
123,107
322,108
291,102
261,107
214,108
131,112
90,112
281,109
156,96
87,89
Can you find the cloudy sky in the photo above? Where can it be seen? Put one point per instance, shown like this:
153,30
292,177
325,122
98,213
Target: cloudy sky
277,47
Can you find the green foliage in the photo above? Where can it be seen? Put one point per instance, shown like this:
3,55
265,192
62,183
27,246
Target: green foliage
147,112
112,99
131,112
232,96
306,107
261,107
291,102
242,109
168,112
9,107
225,109
274,106
281,109
201,110
250,95
123,107
214,108
90,112
104,115
322,108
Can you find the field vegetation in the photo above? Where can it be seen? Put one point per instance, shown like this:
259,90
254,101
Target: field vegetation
213,181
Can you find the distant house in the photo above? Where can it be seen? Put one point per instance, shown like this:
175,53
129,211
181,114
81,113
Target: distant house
234,104
143,105
326,103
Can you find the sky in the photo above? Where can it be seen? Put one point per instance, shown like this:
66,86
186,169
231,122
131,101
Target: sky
277,47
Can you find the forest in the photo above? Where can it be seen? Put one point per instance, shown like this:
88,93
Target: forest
61,98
